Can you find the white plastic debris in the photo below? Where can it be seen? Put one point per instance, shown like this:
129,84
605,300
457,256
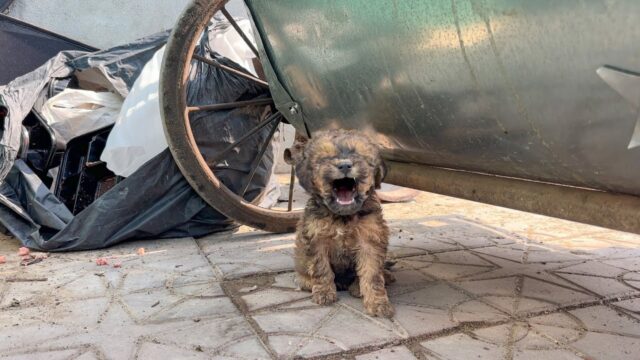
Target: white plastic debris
76,112
225,41
137,135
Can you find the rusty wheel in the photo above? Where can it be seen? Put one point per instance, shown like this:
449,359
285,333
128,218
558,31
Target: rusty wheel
178,57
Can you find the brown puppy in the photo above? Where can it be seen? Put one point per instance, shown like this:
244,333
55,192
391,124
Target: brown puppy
342,238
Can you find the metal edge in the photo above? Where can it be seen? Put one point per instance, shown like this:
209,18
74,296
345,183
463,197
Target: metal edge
599,208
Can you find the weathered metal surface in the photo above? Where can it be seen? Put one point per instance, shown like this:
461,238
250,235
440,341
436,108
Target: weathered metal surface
614,211
505,87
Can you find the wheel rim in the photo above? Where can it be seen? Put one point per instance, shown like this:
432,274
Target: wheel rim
182,143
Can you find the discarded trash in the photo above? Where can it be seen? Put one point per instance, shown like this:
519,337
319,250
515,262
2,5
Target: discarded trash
117,265
3,259
23,251
140,251
126,151
145,202
30,260
102,262
75,112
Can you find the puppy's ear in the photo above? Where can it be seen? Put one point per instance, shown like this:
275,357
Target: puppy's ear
296,157
304,173
295,154
381,173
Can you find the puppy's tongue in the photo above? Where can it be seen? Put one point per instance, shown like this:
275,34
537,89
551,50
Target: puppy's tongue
344,195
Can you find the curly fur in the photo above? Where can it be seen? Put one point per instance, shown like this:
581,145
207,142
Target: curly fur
342,245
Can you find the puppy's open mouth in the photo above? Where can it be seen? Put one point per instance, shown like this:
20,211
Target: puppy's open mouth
345,190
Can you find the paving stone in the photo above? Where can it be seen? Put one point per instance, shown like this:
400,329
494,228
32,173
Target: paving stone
552,256
144,304
476,311
142,280
251,254
602,318
394,353
26,336
250,348
632,305
409,279
210,335
462,258
346,327
149,351
287,346
88,355
301,321
420,320
503,286
79,313
198,309
454,271
631,264
207,289
594,268
438,296
473,286
461,346
43,355
545,354
552,293
270,297
559,335
607,346
286,280
605,287
503,335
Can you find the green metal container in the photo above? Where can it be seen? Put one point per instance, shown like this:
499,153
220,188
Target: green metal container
541,90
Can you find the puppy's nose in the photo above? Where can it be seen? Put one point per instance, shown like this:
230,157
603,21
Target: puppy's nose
345,166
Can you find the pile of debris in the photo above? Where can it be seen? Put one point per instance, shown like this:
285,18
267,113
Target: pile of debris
83,159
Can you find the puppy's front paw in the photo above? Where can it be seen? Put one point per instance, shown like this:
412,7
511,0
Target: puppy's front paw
323,295
354,290
382,308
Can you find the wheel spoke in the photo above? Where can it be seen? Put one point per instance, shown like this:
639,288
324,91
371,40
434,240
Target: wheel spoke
231,105
292,183
240,32
258,159
265,122
240,73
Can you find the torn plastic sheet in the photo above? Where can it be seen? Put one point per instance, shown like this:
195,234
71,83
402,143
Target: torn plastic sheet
25,47
138,133
76,112
155,201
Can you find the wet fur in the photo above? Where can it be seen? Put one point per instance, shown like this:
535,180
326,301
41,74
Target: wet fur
340,248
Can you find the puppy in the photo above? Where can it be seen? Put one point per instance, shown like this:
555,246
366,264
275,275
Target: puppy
342,238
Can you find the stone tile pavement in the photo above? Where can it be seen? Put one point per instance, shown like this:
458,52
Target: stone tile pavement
474,282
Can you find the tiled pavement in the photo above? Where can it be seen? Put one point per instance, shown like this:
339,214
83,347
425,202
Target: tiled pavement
474,282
